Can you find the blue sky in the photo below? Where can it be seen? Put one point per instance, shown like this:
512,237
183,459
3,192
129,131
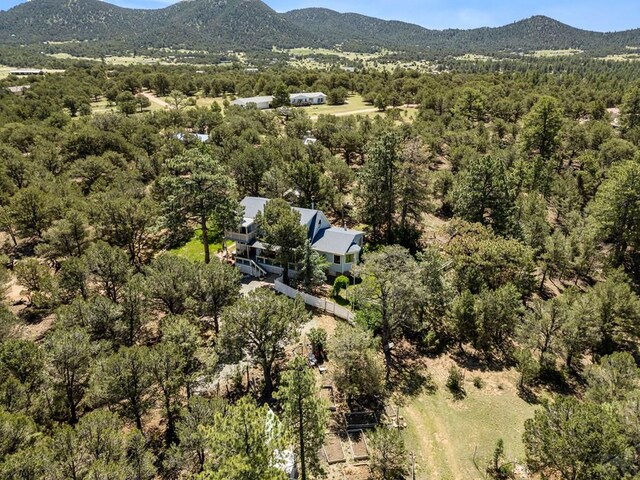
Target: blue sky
589,14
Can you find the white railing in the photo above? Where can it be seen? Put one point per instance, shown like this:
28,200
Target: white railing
240,237
259,268
322,303
248,266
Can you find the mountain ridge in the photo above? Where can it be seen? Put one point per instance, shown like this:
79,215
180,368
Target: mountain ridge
252,24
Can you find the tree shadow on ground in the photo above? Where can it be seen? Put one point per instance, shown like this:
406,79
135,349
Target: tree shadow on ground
556,381
473,360
33,316
528,395
409,374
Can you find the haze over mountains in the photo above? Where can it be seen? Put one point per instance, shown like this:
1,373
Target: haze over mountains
253,25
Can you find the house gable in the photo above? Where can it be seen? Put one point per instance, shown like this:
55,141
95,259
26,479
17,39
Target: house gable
340,246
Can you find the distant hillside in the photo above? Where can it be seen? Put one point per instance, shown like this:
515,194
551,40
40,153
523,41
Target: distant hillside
63,20
253,25
535,33
234,24
206,24
352,29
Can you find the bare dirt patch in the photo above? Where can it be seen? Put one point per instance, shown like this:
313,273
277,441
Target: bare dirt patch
35,332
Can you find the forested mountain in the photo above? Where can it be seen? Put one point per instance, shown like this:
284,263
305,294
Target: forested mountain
353,30
64,20
253,25
535,33
206,24
234,24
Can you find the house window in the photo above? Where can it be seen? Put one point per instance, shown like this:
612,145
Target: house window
349,258
337,259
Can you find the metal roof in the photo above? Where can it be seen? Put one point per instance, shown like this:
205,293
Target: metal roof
336,240
253,205
256,100
308,95
330,240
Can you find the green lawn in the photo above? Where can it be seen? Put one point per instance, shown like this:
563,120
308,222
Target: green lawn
445,434
193,249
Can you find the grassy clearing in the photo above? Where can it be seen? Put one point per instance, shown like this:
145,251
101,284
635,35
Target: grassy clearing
115,60
4,71
304,57
354,102
472,57
103,106
208,101
445,434
627,57
556,53
193,249
310,52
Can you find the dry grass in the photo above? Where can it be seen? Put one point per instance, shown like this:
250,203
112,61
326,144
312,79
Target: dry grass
447,435
627,57
472,57
4,71
556,53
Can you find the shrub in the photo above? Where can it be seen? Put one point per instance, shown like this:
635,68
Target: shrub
318,339
455,382
340,283
478,382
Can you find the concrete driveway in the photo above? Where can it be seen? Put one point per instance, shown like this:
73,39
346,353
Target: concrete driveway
249,283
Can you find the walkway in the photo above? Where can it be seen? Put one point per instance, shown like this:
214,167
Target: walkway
249,283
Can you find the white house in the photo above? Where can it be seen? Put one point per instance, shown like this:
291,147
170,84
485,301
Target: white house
296,99
202,137
313,98
340,246
261,103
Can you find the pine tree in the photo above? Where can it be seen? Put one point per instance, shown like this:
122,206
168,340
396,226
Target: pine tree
304,414
314,267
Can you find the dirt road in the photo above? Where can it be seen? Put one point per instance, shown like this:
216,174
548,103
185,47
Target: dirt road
156,100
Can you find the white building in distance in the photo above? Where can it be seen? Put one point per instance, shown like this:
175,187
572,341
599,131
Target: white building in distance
296,99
